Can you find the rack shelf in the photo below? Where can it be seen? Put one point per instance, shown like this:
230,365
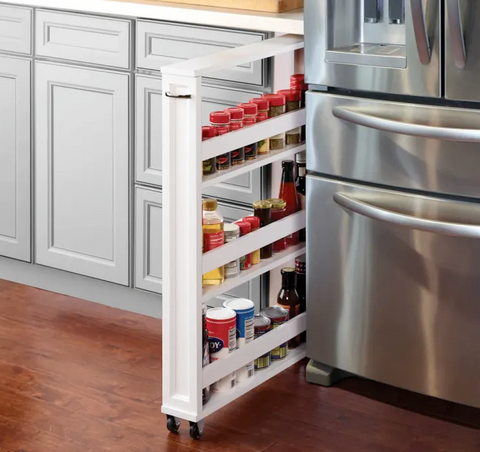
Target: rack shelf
262,160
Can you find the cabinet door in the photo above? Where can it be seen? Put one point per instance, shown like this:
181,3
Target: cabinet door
15,158
82,157
148,240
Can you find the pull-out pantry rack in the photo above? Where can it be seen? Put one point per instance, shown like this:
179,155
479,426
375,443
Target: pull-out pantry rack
183,261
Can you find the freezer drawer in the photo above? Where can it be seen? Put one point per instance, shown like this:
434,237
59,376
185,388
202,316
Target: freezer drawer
414,146
394,291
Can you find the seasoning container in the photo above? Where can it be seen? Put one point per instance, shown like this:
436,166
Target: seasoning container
245,310
288,299
300,185
236,123
292,104
262,325
278,316
301,286
209,165
221,121
205,351
222,340
245,228
255,222
279,211
263,211
277,107
297,82
263,146
213,237
250,118
288,192
231,232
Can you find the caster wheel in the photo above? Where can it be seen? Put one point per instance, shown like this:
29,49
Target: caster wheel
173,424
196,430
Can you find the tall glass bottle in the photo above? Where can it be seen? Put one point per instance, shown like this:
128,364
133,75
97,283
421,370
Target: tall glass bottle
300,186
213,237
288,193
288,298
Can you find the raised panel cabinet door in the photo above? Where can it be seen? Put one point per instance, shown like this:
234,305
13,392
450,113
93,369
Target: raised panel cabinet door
148,240
82,172
15,158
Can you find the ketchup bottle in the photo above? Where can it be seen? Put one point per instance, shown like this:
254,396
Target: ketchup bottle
288,193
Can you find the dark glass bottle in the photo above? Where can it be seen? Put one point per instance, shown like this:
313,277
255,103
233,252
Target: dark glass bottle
288,193
300,187
288,298
301,286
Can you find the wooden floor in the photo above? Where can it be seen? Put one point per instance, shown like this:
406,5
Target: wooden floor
76,376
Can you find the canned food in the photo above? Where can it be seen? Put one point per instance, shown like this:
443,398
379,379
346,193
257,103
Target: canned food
222,340
245,310
278,316
262,325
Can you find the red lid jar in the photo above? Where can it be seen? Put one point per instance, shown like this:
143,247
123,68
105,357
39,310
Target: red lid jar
236,118
263,104
208,132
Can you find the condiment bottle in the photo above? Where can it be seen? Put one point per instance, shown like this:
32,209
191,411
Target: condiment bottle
255,222
288,298
221,121
250,118
293,103
297,82
263,146
245,228
231,232
213,237
279,211
277,108
209,165
301,286
300,186
263,211
288,193
236,123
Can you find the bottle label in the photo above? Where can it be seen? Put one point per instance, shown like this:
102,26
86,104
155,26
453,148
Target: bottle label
212,240
301,201
302,171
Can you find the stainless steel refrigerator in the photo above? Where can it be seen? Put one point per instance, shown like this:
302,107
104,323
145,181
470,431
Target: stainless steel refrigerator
393,192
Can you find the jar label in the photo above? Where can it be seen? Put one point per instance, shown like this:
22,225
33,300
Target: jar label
251,151
223,161
245,262
212,240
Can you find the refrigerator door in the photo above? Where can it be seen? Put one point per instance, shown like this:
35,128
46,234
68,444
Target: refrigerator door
391,143
387,46
397,299
462,50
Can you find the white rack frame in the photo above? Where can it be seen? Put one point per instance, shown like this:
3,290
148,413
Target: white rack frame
183,262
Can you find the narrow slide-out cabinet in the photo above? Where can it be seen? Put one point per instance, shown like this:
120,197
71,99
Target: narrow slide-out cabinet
15,158
82,175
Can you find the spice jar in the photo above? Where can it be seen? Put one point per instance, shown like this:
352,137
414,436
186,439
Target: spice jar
221,121
209,165
263,146
231,232
255,222
250,119
292,103
245,228
236,123
277,108
297,82
263,211
279,211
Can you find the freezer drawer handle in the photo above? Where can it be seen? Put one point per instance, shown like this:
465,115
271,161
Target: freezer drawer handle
420,30
456,32
368,119
400,219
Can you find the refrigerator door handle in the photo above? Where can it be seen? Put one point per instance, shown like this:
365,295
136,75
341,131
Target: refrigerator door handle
374,121
420,30
400,219
456,32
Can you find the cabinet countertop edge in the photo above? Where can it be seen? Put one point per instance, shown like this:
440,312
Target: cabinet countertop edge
288,22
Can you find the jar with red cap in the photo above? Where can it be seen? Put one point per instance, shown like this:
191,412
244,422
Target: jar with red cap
279,211
263,146
250,119
236,123
209,165
293,103
297,82
221,121
245,228
255,222
277,107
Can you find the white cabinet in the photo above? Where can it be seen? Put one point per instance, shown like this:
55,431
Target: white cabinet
15,158
82,172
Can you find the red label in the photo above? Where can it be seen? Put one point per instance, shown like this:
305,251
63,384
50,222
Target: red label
245,262
212,240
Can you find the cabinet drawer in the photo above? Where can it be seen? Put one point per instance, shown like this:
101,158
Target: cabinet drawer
160,44
15,29
88,39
